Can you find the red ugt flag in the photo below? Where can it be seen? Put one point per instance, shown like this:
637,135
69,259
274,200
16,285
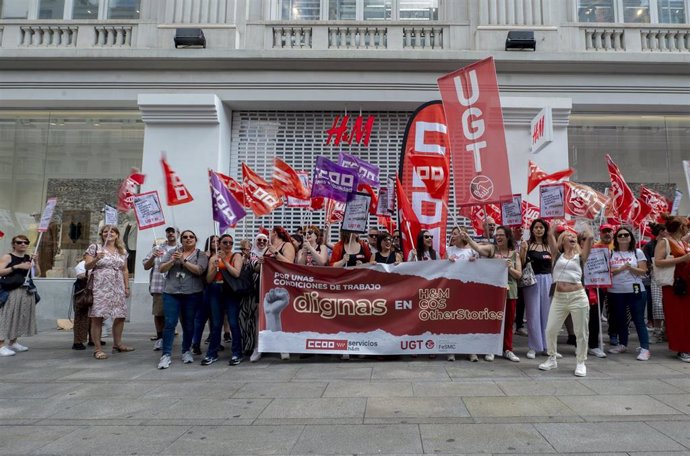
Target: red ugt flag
624,202
409,224
286,181
536,176
657,202
261,196
177,193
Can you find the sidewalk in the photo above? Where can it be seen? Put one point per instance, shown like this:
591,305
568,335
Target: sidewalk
54,400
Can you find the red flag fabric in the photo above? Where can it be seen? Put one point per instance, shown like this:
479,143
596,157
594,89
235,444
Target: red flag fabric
536,176
409,224
177,193
260,195
286,181
530,212
374,199
477,139
658,203
335,211
317,203
479,213
433,171
644,210
2,235
623,199
387,222
583,201
129,188
235,188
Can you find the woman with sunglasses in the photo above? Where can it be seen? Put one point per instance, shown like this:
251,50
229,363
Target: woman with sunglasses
385,253
313,253
223,300
257,253
248,303
184,286
424,248
18,314
628,266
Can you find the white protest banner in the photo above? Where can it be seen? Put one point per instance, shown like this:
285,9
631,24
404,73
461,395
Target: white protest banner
676,202
109,215
148,210
511,211
46,215
357,213
551,201
382,202
597,271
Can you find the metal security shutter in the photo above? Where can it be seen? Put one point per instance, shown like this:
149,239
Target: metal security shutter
298,137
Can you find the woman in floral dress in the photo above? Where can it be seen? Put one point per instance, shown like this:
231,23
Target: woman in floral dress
108,264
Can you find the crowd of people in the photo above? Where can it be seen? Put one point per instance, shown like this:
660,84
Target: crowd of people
217,287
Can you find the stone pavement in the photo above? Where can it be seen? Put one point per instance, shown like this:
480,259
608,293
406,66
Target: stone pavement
54,400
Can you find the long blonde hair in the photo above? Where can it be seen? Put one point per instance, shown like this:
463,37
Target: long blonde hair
118,242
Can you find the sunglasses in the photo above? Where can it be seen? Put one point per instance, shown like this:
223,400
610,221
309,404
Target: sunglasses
261,241
623,235
396,237
387,239
373,235
428,236
187,236
22,242
310,232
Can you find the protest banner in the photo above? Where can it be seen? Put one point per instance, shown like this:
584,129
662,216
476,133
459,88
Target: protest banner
552,201
46,215
429,307
597,271
511,211
109,215
148,210
357,213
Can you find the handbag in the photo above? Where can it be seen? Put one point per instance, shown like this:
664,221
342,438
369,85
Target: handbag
12,281
528,278
663,275
680,288
241,285
83,298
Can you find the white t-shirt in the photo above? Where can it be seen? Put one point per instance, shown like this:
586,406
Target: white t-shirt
623,281
461,253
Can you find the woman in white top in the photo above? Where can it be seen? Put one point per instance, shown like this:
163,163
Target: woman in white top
459,249
628,266
569,297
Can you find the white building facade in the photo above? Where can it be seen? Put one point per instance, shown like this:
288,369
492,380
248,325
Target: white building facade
91,88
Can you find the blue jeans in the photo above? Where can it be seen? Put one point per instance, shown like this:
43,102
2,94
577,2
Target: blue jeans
201,315
213,295
179,307
636,302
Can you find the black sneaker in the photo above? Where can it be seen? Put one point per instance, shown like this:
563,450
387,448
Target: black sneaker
234,361
226,337
196,350
79,346
208,360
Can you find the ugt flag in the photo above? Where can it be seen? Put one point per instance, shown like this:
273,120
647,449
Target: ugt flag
333,181
227,211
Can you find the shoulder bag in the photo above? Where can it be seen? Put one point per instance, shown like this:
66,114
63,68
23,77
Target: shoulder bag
528,278
663,275
241,285
83,299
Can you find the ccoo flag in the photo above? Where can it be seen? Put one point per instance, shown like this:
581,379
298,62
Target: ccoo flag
227,211
176,190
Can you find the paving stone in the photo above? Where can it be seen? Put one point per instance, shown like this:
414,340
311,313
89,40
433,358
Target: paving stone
426,371
484,369
368,389
592,437
542,387
681,382
222,440
678,431
629,387
315,408
110,408
351,440
517,406
334,373
273,390
483,438
456,389
24,439
415,407
616,405
32,408
34,390
198,389
679,402
104,390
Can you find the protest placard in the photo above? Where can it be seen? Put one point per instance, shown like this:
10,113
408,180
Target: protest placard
148,210
551,201
597,271
511,211
47,214
109,215
357,213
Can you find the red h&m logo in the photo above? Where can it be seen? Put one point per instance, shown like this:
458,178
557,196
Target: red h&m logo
360,132
326,344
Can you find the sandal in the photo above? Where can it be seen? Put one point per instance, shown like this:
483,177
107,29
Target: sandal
122,349
100,355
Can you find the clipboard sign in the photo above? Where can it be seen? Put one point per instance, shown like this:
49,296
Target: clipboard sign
597,271
148,210
511,211
357,213
552,201
47,215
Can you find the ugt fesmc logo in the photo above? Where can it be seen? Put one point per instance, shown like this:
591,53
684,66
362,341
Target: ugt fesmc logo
417,344
326,344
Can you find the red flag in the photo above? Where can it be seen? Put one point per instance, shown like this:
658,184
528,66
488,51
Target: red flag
335,211
623,199
583,201
177,193
530,212
433,171
479,213
2,235
236,190
639,218
536,176
477,139
374,199
409,224
260,195
317,204
657,202
286,181
387,222
129,188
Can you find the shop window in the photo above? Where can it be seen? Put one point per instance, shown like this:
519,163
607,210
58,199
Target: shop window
636,11
14,9
342,10
85,9
595,11
358,10
671,11
418,10
123,9
300,10
377,10
51,9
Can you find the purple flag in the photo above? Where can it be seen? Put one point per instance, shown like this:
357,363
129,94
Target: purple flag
368,173
333,181
226,210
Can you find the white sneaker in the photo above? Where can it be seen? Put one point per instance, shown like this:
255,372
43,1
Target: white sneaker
549,364
511,356
285,356
164,362
580,370
6,351
685,357
17,347
158,345
489,357
187,357
256,355
598,352
558,355
522,332
644,355
451,357
531,354
618,349
473,358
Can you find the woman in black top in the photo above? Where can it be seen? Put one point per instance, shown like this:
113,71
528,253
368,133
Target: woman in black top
537,301
384,250
424,248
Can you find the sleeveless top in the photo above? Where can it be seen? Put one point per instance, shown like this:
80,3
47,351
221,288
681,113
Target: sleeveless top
310,258
390,259
352,259
567,270
14,261
541,260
